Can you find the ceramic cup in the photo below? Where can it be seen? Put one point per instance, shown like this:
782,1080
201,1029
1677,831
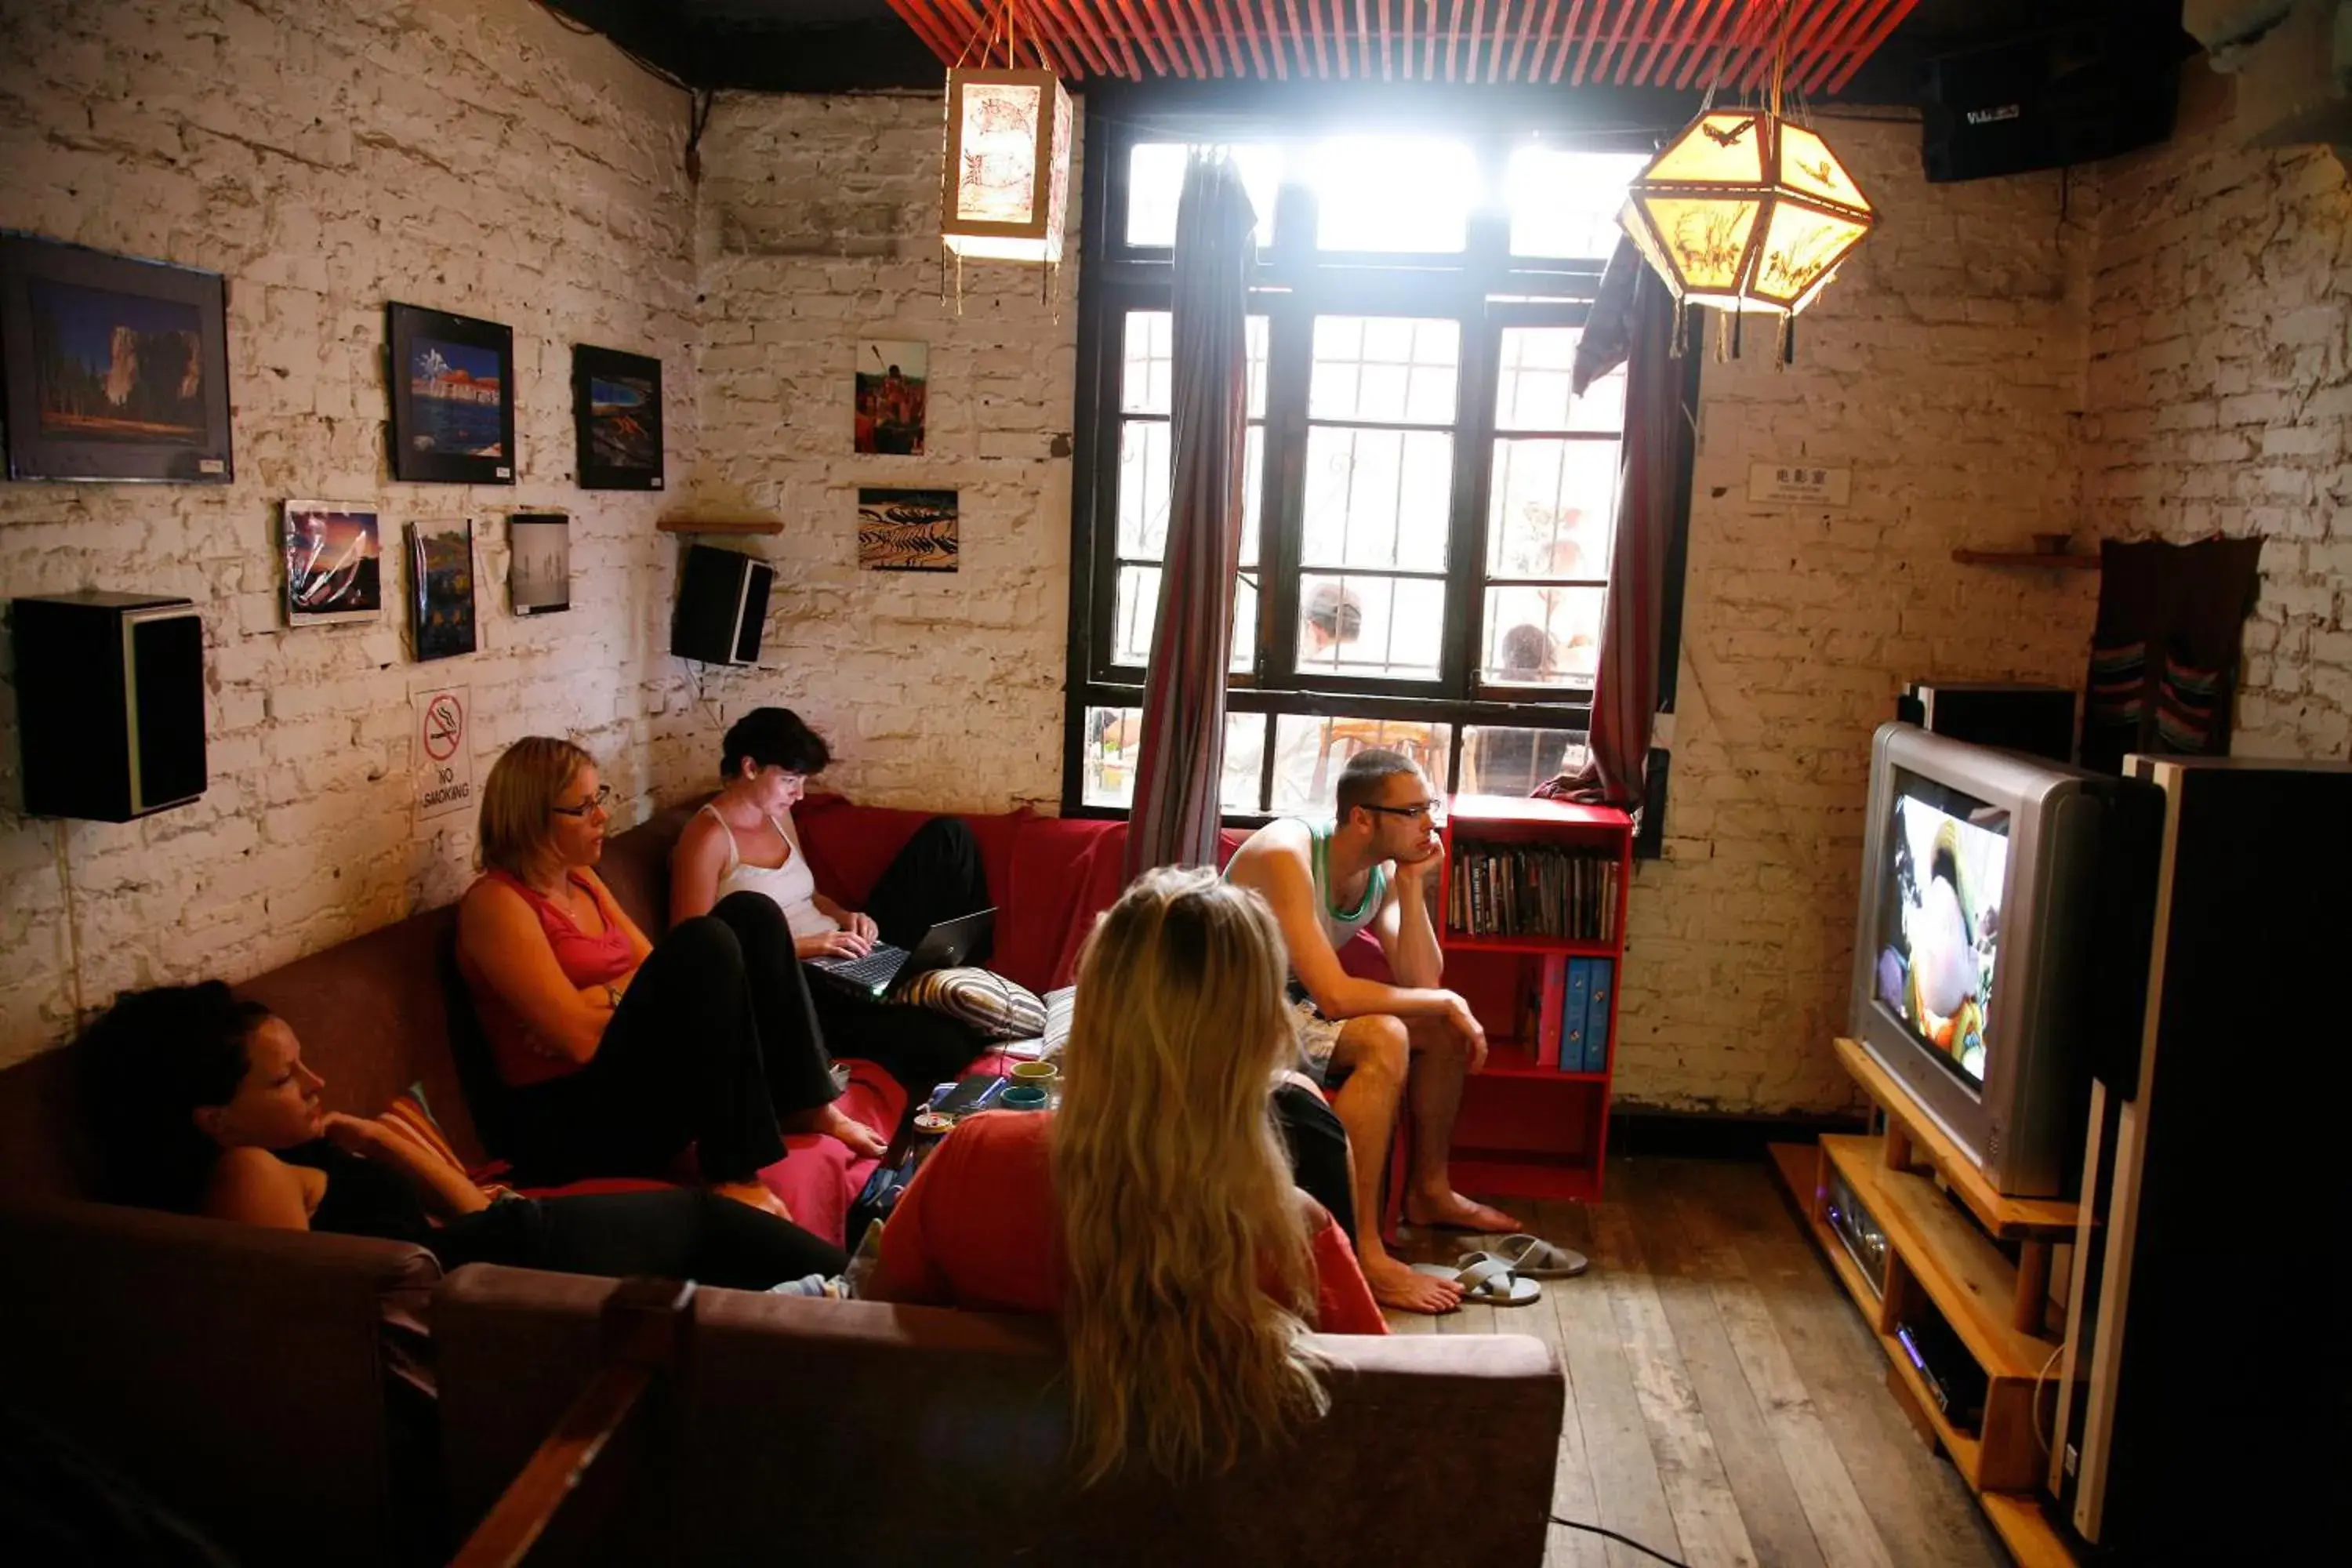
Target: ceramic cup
1040,1073
1024,1097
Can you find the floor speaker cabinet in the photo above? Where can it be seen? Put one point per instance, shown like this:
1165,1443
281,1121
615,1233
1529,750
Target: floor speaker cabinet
109,704
2036,720
2056,96
722,605
2203,1390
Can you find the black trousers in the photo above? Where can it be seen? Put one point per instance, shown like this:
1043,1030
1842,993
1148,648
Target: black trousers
936,877
675,1233
1318,1142
714,1039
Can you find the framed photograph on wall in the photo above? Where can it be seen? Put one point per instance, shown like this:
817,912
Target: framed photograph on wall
892,388
538,563
441,588
452,398
334,562
616,420
906,531
116,368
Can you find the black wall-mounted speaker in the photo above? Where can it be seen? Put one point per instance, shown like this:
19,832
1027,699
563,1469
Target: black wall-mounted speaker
2051,97
722,605
109,704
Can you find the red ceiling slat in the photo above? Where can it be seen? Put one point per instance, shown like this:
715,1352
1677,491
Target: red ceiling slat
1592,37
1620,25
1145,33
1710,64
1870,43
1567,36
1185,53
1495,44
1623,50
1757,39
1659,39
1249,31
1340,38
1232,38
1273,40
1429,42
1297,37
1315,20
1802,28
1840,33
1452,38
1477,32
920,22
1544,36
1071,35
1387,69
1205,32
1690,46
1837,23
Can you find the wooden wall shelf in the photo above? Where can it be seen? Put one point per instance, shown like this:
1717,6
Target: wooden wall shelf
2026,558
720,525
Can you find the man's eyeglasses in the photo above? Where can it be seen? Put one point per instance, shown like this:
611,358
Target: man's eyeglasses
1421,811
604,794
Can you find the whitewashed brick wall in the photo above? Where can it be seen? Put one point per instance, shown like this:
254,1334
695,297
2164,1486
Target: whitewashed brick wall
1944,367
327,158
2220,400
819,230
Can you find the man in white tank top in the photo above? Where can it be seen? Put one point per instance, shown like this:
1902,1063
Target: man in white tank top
1370,868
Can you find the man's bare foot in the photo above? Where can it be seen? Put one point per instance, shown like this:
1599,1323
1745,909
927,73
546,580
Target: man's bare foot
753,1194
1394,1284
831,1120
1451,1211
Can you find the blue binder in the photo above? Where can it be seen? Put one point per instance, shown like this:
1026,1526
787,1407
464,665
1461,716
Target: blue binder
1572,1014
1596,1017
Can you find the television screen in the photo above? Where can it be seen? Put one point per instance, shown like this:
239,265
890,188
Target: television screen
1939,920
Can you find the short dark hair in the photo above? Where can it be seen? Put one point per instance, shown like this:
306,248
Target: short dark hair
144,1069
774,738
1361,780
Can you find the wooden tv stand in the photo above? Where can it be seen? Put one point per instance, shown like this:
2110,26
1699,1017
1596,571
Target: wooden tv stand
1951,1254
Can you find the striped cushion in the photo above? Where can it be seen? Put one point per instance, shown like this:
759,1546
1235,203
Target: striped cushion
409,1114
984,1000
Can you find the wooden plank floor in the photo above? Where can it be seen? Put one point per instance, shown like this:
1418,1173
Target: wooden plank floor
1725,1403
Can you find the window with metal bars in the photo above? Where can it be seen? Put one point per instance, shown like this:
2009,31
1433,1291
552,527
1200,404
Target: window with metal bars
1426,535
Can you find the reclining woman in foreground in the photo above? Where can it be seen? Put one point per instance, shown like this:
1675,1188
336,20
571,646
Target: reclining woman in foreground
1184,1266
618,1054
744,841
202,1105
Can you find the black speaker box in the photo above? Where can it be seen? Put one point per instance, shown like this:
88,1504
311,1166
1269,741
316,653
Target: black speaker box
722,604
2051,97
109,704
2036,720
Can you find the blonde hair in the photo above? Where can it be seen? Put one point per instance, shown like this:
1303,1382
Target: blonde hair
1177,1206
519,799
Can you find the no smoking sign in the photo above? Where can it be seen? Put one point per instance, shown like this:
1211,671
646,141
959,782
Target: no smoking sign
443,752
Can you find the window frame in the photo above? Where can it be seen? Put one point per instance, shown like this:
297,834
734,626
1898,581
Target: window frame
1294,284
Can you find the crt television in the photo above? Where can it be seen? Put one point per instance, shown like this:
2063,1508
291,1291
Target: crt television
2001,951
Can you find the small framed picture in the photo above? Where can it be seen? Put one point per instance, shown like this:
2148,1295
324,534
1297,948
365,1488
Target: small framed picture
441,588
452,398
906,531
616,420
893,383
538,565
334,566
115,368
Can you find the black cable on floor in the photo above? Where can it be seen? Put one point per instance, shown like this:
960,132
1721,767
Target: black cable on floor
1621,1540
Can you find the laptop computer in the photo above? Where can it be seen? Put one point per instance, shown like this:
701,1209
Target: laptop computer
944,946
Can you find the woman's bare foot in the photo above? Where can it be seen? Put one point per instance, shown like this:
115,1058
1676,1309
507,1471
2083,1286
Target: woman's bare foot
863,1141
1394,1284
1449,1210
753,1194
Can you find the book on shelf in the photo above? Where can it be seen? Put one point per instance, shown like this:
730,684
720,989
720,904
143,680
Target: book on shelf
1540,890
1574,1008
1596,1015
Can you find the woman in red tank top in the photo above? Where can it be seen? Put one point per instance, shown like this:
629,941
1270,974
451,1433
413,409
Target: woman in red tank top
618,1054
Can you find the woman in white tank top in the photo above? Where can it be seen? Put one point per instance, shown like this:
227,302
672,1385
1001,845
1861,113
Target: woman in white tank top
744,841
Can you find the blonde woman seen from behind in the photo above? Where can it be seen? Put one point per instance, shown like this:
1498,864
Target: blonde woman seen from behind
1185,1266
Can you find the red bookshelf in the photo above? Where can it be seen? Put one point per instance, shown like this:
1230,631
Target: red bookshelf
1527,1129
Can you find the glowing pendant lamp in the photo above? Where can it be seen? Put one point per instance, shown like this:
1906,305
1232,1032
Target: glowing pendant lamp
1008,157
1744,211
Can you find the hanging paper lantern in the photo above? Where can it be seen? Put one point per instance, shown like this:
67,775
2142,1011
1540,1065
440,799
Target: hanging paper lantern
1008,165
1744,211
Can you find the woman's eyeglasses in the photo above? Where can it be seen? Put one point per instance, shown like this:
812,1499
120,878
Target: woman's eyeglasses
604,794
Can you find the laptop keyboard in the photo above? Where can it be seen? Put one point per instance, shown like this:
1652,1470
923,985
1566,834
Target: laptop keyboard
871,973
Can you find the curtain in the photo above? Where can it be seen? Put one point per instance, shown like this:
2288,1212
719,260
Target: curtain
1632,325
1174,819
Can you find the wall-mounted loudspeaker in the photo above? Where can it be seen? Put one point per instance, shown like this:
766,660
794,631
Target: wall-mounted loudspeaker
2063,95
722,603
109,704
